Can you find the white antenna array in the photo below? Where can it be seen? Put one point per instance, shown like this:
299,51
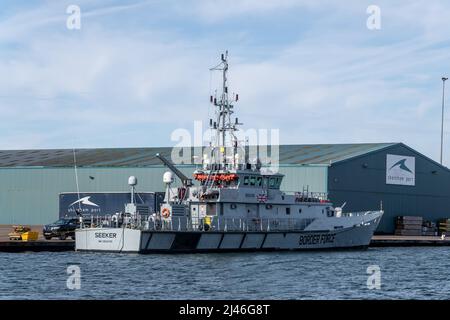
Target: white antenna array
223,125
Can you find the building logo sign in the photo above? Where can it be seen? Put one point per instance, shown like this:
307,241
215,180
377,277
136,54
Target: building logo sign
400,170
84,201
101,203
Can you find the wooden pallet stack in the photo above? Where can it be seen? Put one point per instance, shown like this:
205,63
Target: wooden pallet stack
408,226
429,228
444,227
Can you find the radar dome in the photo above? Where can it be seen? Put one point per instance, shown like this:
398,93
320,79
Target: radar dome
168,177
132,181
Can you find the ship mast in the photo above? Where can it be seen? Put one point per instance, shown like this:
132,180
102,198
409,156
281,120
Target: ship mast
225,138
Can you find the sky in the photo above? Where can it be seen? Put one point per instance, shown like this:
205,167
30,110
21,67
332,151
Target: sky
138,70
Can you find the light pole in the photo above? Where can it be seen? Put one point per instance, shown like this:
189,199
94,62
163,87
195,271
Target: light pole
442,124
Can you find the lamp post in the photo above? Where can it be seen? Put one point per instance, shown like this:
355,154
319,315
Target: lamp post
442,123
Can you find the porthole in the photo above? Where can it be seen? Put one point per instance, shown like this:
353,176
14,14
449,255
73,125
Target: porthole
269,207
233,206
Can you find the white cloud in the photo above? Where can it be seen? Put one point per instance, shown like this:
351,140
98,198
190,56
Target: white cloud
217,10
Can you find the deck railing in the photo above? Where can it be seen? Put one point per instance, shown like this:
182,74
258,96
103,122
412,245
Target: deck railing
354,214
204,224
214,223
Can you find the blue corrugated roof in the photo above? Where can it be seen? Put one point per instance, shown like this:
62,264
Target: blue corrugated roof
143,157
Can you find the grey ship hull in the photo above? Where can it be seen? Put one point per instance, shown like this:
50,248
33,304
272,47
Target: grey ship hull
137,241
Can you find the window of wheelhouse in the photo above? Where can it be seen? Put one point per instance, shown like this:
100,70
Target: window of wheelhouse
272,182
246,181
234,183
265,182
278,182
259,181
252,180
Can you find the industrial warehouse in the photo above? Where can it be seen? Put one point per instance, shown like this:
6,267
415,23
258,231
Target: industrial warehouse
359,176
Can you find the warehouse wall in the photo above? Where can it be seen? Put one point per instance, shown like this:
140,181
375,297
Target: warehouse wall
361,182
31,195
297,177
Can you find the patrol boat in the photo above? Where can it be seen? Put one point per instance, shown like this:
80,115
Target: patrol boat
235,205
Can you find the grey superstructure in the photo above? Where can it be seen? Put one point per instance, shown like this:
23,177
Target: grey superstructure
237,205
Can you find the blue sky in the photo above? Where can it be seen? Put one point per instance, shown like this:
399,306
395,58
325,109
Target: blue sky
138,70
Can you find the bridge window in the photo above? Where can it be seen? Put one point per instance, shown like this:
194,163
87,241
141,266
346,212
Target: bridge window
246,181
258,181
252,181
278,182
288,210
271,182
265,182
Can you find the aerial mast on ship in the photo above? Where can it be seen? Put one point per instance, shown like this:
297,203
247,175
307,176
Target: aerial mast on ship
224,127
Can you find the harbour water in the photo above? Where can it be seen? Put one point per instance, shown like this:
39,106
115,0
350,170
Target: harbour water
405,273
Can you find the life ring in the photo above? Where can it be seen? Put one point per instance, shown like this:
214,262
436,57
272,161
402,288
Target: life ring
165,213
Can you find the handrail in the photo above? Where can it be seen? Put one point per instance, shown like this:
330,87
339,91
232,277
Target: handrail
216,223
145,222
308,195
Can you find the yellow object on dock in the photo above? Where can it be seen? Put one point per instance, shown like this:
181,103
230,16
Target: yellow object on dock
30,236
23,233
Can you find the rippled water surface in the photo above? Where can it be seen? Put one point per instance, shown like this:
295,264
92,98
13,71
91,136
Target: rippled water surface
418,273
